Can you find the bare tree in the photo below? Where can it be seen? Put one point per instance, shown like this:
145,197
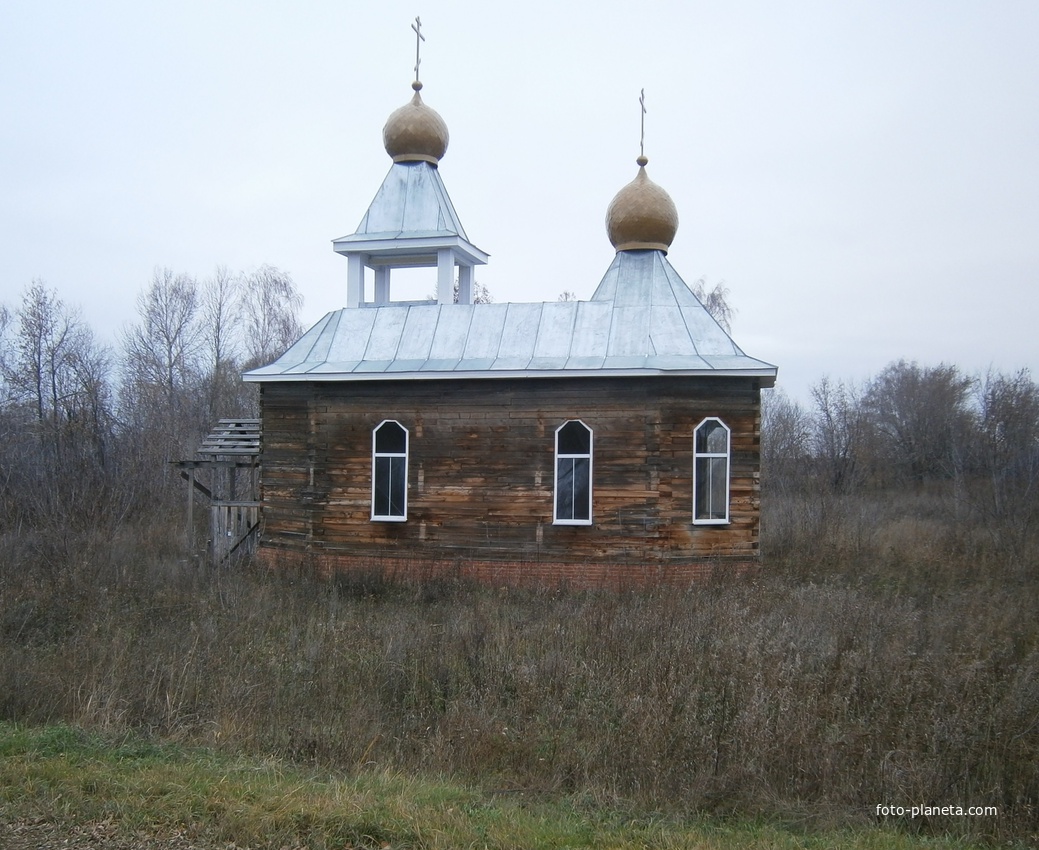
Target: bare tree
218,311
219,314
58,419
837,433
5,324
716,302
921,416
481,294
90,408
162,350
269,305
1006,456
161,366
53,362
786,430
43,327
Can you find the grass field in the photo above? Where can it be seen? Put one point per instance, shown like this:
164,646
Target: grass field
77,789
886,654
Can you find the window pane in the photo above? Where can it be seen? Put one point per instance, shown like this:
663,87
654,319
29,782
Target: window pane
390,474
398,466
719,487
565,488
573,489
582,489
712,438
391,438
574,439
382,486
712,487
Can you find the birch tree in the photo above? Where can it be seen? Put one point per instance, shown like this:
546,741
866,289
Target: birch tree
161,365
269,306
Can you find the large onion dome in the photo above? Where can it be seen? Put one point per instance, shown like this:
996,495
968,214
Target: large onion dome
642,216
415,133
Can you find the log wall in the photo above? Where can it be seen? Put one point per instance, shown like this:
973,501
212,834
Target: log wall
481,468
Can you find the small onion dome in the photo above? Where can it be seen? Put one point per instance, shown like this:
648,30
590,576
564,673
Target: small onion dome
415,133
642,216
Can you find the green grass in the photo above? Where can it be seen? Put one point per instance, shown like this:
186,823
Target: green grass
134,787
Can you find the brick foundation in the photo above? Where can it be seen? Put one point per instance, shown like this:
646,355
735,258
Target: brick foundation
552,575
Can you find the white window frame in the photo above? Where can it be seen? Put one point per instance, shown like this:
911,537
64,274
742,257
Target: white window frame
697,456
375,456
556,519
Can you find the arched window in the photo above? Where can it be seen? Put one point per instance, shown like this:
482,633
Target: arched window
390,472
573,474
711,473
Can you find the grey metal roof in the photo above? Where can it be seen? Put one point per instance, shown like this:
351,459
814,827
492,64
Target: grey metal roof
411,211
642,320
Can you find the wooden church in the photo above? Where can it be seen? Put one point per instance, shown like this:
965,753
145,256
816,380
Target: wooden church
614,441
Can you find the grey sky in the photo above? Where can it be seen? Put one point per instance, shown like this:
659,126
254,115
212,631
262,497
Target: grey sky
863,175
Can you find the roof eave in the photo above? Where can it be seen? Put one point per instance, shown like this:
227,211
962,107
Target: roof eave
766,374
380,250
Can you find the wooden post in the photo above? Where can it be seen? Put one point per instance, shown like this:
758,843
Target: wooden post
214,523
191,511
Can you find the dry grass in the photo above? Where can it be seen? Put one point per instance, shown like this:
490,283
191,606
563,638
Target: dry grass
885,656
60,786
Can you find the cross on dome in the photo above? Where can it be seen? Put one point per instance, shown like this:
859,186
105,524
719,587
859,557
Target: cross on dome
419,37
642,136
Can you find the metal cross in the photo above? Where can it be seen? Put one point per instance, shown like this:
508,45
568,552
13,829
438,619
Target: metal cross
419,37
642,138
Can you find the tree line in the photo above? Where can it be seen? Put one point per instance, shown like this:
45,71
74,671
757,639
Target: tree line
87,429
974,439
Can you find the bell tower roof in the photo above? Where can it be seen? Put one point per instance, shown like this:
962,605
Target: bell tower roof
411,223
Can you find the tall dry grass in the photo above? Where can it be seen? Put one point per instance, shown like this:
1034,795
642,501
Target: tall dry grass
885,654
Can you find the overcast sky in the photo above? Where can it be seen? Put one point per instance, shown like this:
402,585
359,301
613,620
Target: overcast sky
864,176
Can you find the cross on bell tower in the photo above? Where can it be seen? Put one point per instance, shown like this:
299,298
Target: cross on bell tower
411,223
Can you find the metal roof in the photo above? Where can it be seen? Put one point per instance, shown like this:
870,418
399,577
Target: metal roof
642,320
411,213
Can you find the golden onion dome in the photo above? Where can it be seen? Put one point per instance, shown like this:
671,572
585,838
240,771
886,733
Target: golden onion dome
642,216
415,133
